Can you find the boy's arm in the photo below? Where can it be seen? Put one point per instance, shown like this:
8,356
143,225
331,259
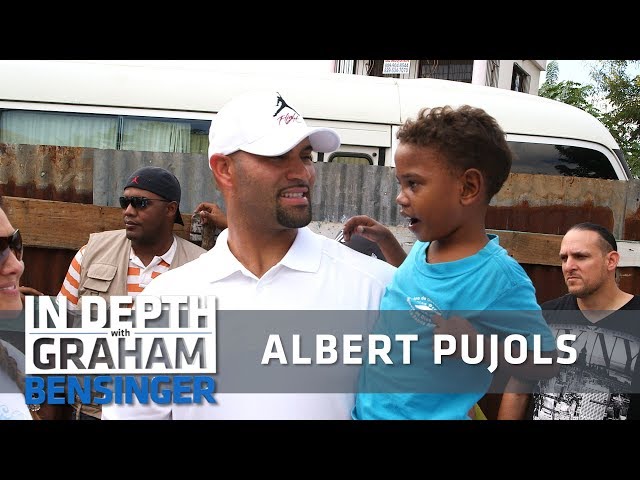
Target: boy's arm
378,233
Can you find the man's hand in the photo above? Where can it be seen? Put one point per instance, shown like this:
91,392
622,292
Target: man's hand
28,291
212,214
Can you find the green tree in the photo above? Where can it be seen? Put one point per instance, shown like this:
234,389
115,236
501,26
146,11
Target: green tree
572,93
616,91
621,92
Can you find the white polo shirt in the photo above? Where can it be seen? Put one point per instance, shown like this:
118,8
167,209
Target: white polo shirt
317,273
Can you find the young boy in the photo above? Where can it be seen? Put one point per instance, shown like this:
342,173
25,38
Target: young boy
449,163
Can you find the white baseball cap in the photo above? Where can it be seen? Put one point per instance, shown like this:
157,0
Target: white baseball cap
263,123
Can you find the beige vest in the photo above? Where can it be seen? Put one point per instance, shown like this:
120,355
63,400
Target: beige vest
105,264
106,261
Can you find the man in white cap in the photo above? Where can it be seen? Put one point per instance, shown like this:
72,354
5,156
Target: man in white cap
260,153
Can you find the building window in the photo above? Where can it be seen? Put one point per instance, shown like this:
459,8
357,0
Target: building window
346,66
493,73
456,70
520,79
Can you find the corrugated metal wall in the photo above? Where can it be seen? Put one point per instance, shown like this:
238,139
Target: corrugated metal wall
47,173
530,203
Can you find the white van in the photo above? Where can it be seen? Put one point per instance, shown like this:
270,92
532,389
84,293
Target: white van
169,109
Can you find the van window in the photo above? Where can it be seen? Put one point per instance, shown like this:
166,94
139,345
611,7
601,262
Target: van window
351,158
117,132
555,159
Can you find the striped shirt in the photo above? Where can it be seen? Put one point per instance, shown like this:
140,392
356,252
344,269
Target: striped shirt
138,276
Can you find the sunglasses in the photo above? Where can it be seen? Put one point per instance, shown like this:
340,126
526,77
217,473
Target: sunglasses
14,243
139,202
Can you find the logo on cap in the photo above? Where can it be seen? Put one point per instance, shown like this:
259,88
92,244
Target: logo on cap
280,101
135,179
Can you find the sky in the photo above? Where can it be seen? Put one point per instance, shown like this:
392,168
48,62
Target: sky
579,71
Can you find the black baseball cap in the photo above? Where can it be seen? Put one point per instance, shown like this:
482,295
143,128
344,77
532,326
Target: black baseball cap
159,181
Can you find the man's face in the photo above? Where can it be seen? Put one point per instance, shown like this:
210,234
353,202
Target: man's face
585,265
145,225
276,191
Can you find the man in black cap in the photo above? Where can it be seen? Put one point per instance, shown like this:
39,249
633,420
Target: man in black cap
123,262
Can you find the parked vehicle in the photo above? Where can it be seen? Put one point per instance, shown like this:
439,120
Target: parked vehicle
169,109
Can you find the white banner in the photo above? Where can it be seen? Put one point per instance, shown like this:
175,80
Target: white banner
395,66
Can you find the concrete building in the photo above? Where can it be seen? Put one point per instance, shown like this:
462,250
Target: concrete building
518,75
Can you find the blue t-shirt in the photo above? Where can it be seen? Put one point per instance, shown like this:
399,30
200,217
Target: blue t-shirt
490,289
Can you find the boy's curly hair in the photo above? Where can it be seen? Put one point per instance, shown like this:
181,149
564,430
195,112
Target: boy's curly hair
467,137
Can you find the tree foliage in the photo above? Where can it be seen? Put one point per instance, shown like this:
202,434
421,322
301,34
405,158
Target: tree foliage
616,92
622,95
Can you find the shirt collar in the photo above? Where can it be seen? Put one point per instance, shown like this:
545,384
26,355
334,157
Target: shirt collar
304,255
166,256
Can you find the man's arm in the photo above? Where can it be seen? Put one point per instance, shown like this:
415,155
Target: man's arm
515,400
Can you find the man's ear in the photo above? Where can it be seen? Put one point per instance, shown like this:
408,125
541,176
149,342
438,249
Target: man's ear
221,167
472,183
172,208
613,258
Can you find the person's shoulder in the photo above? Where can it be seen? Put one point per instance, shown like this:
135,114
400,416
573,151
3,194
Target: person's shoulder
508,265
352,260
633,304
190,247
565,302
179,278
108,234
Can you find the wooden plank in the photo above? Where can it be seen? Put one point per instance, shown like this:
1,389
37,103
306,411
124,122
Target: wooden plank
524,247
543,249
52,224
531,248
629,253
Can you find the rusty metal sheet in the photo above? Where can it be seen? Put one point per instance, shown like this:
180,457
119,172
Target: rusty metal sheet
551,204
632,212
45,268
551,219
113,167
46,172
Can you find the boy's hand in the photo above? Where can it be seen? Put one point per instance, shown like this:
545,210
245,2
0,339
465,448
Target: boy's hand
366,227
376,232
